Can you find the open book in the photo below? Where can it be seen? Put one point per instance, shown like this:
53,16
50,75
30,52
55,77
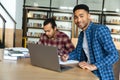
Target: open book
68,62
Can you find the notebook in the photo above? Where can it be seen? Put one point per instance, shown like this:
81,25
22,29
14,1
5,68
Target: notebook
46,57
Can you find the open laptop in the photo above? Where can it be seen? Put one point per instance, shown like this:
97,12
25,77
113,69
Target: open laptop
46,57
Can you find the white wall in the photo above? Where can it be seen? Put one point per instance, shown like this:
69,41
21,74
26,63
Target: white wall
19,13
10,5
14,7
11,9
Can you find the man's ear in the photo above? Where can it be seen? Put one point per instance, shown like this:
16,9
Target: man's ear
55,28
89,16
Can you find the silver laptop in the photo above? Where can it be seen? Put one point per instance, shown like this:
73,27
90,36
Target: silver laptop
46,57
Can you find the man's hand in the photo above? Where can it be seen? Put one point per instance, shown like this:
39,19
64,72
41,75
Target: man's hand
85,65
64,57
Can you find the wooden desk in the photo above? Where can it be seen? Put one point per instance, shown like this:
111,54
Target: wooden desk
23,70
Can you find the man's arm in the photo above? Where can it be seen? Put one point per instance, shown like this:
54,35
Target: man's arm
111,54
69,47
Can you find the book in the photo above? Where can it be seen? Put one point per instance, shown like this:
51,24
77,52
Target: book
15,53
6,56
17,49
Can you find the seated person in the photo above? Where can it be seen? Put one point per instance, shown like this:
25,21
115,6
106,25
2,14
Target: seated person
95,49
53,37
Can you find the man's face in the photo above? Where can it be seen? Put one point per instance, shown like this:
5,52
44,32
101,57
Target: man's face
81,18
49,31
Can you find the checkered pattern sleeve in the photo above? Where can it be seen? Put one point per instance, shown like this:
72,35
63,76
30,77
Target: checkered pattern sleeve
75,54
110,52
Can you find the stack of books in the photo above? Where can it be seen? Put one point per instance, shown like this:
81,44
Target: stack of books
15,53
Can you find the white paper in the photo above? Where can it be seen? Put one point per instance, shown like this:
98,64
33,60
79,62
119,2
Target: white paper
69,62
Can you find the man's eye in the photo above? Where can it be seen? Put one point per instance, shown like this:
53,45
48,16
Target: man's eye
75,17
81,16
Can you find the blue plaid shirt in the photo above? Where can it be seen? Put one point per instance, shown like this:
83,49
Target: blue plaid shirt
102,50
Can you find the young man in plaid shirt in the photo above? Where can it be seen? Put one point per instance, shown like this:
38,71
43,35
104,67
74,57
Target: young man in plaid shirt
53,37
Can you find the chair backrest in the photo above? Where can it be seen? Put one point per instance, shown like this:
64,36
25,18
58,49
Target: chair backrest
117,44
116,68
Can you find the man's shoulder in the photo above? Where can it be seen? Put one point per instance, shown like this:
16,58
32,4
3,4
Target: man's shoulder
101,27
43,35
61,33
98,27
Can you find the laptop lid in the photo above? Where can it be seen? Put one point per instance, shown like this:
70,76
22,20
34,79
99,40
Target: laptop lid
44,56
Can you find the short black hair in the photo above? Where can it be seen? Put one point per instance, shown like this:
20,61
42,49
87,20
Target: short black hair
81,6
50,20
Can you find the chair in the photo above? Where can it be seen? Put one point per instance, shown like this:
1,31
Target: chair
116,68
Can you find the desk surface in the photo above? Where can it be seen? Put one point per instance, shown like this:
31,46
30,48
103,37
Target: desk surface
23,70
